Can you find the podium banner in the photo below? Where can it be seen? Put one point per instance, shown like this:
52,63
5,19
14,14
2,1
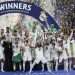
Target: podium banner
28,9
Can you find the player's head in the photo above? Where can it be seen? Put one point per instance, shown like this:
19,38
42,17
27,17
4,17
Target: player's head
15,33
7,29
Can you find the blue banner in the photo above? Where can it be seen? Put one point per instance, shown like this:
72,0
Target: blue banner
28,9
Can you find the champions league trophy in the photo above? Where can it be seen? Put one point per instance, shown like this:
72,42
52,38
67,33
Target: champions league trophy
43,18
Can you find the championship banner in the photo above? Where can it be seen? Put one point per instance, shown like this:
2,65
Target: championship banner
28,9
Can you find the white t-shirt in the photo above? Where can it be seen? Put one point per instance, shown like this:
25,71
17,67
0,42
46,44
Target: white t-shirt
39,52
8,36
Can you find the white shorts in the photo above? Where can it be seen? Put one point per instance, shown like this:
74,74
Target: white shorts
54,56
63,56
27,56
43,60
39,56
47,56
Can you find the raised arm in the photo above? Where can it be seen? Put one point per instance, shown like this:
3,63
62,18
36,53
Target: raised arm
71,35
